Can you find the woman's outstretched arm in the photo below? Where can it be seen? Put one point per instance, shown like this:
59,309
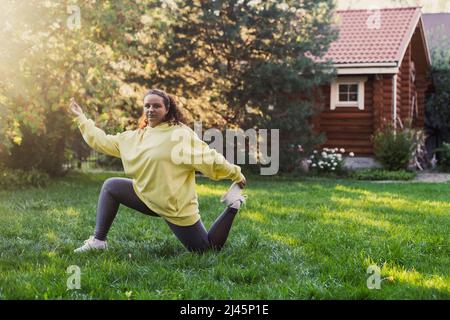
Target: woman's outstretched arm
213,164
95,137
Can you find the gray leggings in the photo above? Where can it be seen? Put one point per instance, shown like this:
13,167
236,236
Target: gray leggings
116,191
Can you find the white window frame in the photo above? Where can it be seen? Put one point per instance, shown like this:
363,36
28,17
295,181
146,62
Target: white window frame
334,93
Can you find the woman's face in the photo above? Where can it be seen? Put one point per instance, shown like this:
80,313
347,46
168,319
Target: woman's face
154,109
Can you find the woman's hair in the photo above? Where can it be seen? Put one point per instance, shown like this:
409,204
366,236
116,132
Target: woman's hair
174,116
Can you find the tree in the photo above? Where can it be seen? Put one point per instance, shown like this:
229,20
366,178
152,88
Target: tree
253,62
46,61
231,63
437,108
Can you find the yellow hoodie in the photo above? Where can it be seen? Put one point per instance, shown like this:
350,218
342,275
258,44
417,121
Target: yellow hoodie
162,162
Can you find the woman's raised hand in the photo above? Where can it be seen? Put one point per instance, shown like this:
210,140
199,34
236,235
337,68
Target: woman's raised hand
74,107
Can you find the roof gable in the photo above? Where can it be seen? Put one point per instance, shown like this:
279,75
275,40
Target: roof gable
373,36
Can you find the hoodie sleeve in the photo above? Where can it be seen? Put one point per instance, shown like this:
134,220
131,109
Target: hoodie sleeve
211,163
97,139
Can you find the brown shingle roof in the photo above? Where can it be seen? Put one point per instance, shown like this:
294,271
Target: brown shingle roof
363,40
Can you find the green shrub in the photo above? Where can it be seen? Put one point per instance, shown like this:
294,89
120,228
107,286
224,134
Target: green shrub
17,178
44,152
380,174
108,162
444,157
394,149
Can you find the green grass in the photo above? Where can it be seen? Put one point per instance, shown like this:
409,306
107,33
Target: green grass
382,174
294,239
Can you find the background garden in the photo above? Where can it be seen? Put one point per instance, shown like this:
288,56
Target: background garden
310,232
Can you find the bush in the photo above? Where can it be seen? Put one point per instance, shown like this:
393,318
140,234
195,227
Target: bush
108,162
17,178
380,174
44,152
444,157
394,149
328,160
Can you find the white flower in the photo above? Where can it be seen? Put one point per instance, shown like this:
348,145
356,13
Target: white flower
283,6
342,150
332,168
308,161
320,167
351,154
314,165
324,154
312,157
253,3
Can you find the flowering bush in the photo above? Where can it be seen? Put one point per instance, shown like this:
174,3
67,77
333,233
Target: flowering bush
328,160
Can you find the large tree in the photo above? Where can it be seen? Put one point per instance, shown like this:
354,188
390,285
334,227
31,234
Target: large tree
52,50
242,63
250,62
437,110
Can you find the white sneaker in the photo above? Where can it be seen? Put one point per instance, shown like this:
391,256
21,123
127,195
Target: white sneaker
233,194
92,244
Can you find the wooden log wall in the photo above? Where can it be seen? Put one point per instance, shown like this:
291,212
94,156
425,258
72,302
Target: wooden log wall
349,127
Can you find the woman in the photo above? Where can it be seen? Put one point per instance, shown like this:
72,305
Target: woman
162,186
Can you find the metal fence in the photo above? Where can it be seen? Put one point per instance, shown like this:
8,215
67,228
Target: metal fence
94,161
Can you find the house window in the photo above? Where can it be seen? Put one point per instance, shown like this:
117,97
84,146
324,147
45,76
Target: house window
347,92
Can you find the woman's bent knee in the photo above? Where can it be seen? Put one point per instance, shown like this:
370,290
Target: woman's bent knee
110,184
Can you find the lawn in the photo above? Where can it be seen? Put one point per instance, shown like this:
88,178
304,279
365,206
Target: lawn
294,239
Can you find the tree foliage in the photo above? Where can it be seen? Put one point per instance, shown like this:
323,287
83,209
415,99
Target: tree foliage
437,108
45,62
252,63
230,63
